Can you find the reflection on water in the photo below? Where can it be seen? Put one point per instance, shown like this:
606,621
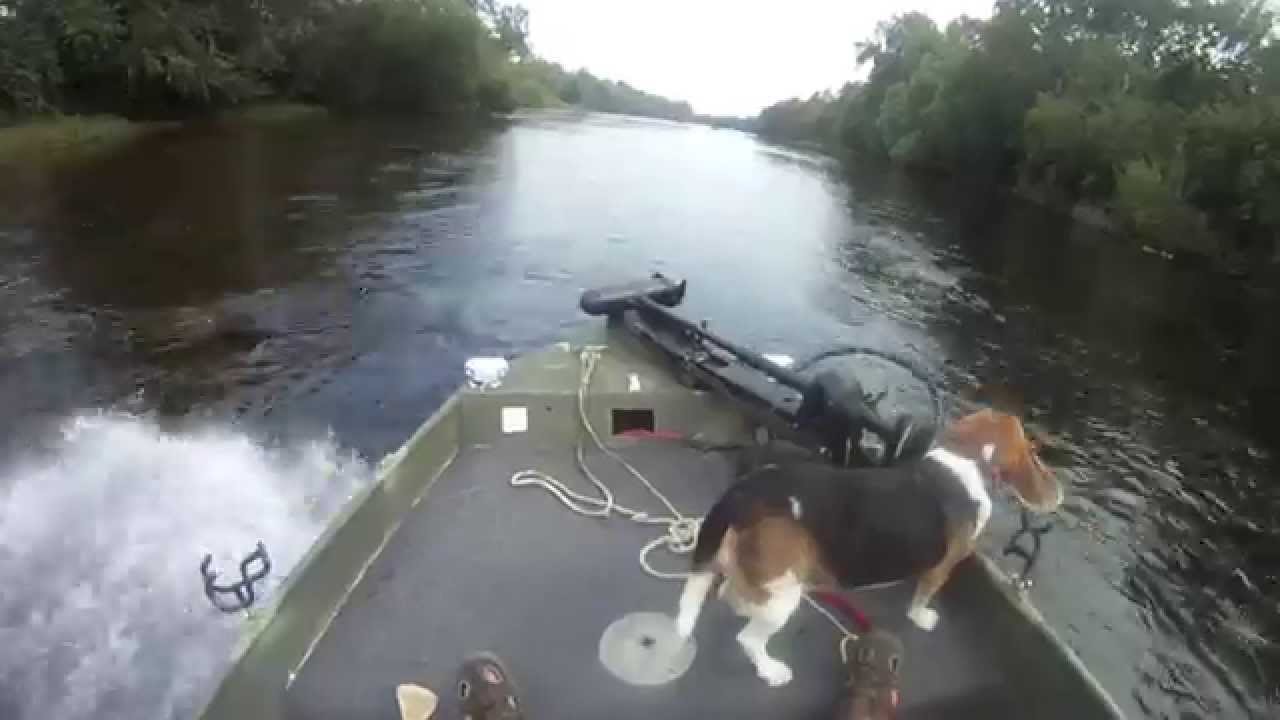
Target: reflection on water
335,274
220,267
1154,380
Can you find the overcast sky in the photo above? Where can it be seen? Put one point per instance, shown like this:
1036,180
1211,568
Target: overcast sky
724,56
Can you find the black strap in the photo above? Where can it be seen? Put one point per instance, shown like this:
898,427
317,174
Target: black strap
1032,554
243,589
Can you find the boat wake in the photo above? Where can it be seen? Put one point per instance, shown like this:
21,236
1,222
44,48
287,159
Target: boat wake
102,610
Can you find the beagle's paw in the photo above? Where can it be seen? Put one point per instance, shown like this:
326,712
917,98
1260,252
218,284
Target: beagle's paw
774,672
925,618
684,625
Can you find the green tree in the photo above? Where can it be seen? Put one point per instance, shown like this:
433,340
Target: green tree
163,57
813,120
1162,110
510,25
29,71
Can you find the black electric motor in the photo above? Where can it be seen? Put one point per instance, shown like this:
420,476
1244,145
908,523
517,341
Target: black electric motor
827,411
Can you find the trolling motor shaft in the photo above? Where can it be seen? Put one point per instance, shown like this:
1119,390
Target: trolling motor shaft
829,412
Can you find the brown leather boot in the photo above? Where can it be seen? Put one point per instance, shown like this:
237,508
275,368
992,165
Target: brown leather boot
873,663
486,690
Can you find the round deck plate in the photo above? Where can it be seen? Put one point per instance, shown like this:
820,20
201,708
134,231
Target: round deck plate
643,649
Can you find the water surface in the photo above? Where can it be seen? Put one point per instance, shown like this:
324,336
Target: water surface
224,286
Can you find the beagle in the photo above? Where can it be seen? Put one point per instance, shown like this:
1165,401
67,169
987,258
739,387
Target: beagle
785,529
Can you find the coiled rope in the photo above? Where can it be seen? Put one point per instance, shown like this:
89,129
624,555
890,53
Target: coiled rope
681,531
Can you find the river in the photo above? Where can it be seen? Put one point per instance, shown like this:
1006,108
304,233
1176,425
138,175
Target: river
210,336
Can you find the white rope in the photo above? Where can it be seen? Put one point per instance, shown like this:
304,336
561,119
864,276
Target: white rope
846,635
681,531
681,534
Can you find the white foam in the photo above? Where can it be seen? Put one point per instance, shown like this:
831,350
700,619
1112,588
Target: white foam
102,611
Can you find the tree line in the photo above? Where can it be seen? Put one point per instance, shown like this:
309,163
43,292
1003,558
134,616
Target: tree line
158,58
538,83
1164,114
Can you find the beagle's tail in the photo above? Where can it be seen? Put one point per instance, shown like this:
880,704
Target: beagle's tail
711,533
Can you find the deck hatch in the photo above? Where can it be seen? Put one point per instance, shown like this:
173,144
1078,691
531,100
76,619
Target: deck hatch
630,419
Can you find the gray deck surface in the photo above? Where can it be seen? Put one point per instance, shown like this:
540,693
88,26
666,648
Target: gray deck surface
480,565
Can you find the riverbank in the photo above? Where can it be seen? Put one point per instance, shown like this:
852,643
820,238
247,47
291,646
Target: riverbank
61,138
65,137
1095,217
1117,116
1194,243
271,113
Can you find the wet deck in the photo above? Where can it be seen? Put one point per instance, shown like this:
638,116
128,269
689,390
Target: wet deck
480,565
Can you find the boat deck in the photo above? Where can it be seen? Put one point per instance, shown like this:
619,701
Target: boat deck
480,565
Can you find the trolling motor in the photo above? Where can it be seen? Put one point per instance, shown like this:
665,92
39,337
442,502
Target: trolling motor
829,412
836,408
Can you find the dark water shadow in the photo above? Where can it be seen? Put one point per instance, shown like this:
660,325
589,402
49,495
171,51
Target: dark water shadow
1156,381
220,260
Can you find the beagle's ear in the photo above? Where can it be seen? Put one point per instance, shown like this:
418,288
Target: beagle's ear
1036,485
999,439
1001,397
990,434
976,429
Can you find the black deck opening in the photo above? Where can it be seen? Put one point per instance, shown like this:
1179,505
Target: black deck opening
626,420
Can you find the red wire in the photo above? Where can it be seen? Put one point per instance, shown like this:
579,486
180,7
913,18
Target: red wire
652,434
847,608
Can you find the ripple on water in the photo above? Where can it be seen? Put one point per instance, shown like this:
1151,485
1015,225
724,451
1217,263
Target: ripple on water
1187,577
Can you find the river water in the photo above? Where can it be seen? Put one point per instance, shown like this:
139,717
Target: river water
210,336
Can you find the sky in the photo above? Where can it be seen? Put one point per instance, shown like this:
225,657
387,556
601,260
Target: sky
726,57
